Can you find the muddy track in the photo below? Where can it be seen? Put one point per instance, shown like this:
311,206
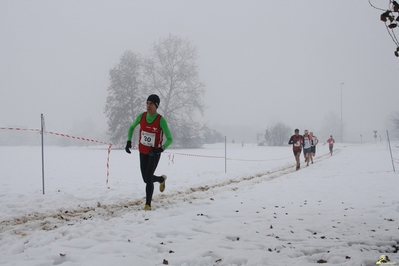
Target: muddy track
24,225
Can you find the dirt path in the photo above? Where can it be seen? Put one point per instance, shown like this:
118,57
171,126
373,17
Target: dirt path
25,225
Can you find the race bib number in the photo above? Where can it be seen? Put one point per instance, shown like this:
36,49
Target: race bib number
147,139
297,144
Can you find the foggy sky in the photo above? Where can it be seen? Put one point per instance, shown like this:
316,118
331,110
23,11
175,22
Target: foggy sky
262,61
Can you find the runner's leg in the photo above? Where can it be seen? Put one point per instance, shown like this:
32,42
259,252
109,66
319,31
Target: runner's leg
148,165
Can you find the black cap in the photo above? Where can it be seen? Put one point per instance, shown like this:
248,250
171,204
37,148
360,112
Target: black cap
154,99
296,130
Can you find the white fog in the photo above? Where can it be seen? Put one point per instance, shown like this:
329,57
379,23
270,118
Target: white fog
263,62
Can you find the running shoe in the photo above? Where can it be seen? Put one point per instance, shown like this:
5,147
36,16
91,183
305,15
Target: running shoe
162,184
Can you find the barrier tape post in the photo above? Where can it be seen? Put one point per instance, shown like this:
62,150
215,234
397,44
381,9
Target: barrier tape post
225,154
109,151
42,133
389,143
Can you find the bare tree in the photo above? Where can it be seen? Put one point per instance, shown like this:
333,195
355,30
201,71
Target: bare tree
394,122
390,17
172,73
125,95
213,136
277,135
331,126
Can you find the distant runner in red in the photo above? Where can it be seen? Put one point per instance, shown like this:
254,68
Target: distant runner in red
331,142
296,141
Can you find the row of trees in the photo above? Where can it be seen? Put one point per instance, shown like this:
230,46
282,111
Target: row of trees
279,133
171,72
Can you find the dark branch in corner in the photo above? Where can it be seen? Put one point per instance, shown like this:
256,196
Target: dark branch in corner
390,17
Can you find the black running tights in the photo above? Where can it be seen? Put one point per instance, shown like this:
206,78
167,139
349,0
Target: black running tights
148,164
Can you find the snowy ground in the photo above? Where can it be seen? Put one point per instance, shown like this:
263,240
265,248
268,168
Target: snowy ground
341,210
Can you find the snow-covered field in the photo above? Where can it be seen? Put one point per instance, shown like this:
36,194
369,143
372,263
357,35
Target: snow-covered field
255,210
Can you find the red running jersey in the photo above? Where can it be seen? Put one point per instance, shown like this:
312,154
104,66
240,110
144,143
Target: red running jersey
297,142
151,134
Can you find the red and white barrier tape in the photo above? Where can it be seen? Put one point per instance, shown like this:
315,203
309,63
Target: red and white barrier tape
109,151
231,159
78,138
171,156
18,128
68,136
171,159
55,133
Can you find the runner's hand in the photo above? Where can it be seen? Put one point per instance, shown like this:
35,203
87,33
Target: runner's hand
128,146
155,151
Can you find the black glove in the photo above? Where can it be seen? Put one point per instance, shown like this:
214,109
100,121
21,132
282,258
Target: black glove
156,151
128,146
